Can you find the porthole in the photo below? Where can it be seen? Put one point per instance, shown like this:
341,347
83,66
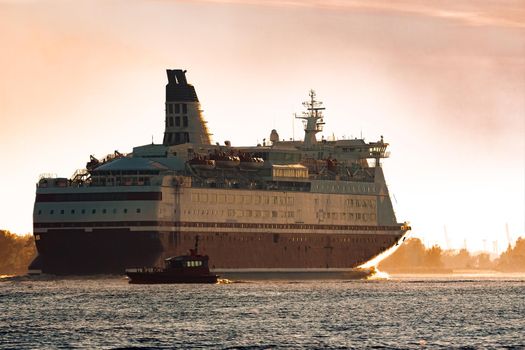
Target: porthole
138,210
61,211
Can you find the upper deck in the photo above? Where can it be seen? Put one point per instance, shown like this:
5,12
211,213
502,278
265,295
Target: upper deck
307,165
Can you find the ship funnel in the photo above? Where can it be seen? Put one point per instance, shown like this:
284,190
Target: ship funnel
177,76
184,121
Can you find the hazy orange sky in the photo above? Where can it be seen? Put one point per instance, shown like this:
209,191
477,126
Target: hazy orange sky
444,82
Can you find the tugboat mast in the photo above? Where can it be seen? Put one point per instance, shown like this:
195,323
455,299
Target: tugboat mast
312,120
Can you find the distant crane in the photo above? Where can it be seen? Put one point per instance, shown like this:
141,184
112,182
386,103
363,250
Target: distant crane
508,234
447,239
495,247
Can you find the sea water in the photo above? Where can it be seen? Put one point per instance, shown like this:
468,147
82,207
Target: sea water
410,312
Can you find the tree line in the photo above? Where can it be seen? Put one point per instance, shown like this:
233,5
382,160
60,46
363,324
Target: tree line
17,252
413,257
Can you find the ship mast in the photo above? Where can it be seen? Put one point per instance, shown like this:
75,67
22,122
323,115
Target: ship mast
312,120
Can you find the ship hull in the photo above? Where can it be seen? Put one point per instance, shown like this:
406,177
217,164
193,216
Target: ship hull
101,251
232,254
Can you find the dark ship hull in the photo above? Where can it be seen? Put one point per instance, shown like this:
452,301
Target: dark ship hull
102,251
110,251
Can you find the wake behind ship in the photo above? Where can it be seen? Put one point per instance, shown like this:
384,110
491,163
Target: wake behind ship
314,207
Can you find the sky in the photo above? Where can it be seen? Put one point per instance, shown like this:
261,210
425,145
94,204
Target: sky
443,82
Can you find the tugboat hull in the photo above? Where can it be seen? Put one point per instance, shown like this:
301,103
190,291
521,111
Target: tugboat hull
142,276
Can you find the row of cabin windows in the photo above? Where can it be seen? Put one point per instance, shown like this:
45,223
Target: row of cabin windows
177,137
242,213
121,181
239,199
230,238
271,200
170,121
347,216
177,108
357,203
344,188
93,211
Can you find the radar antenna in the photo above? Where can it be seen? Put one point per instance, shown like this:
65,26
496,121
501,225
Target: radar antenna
312,119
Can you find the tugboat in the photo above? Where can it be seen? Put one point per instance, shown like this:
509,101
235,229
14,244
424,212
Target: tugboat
190,268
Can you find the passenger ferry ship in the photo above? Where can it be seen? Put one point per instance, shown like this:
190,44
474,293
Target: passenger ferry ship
310,206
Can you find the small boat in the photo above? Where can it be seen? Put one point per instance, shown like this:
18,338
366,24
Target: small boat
190,268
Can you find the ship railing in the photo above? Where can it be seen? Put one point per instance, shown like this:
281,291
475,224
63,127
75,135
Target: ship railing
47,176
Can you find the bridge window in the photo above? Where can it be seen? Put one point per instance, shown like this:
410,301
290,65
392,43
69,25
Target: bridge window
184,108
177,108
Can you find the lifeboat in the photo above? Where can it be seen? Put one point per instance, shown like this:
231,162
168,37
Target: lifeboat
248,162
223,160
202,163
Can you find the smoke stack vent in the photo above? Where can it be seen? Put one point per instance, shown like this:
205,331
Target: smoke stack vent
184,122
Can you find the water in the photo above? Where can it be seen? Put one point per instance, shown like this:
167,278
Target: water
107,312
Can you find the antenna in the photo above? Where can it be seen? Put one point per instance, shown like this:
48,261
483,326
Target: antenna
312,120
293,126
152,139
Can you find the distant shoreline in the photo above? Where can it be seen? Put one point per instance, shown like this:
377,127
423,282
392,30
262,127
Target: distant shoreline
458,272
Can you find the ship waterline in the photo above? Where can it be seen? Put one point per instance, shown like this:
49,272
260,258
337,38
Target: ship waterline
303,207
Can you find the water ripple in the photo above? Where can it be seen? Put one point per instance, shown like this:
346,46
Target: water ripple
108,313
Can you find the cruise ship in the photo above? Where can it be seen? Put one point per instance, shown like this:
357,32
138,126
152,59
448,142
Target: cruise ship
315,207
